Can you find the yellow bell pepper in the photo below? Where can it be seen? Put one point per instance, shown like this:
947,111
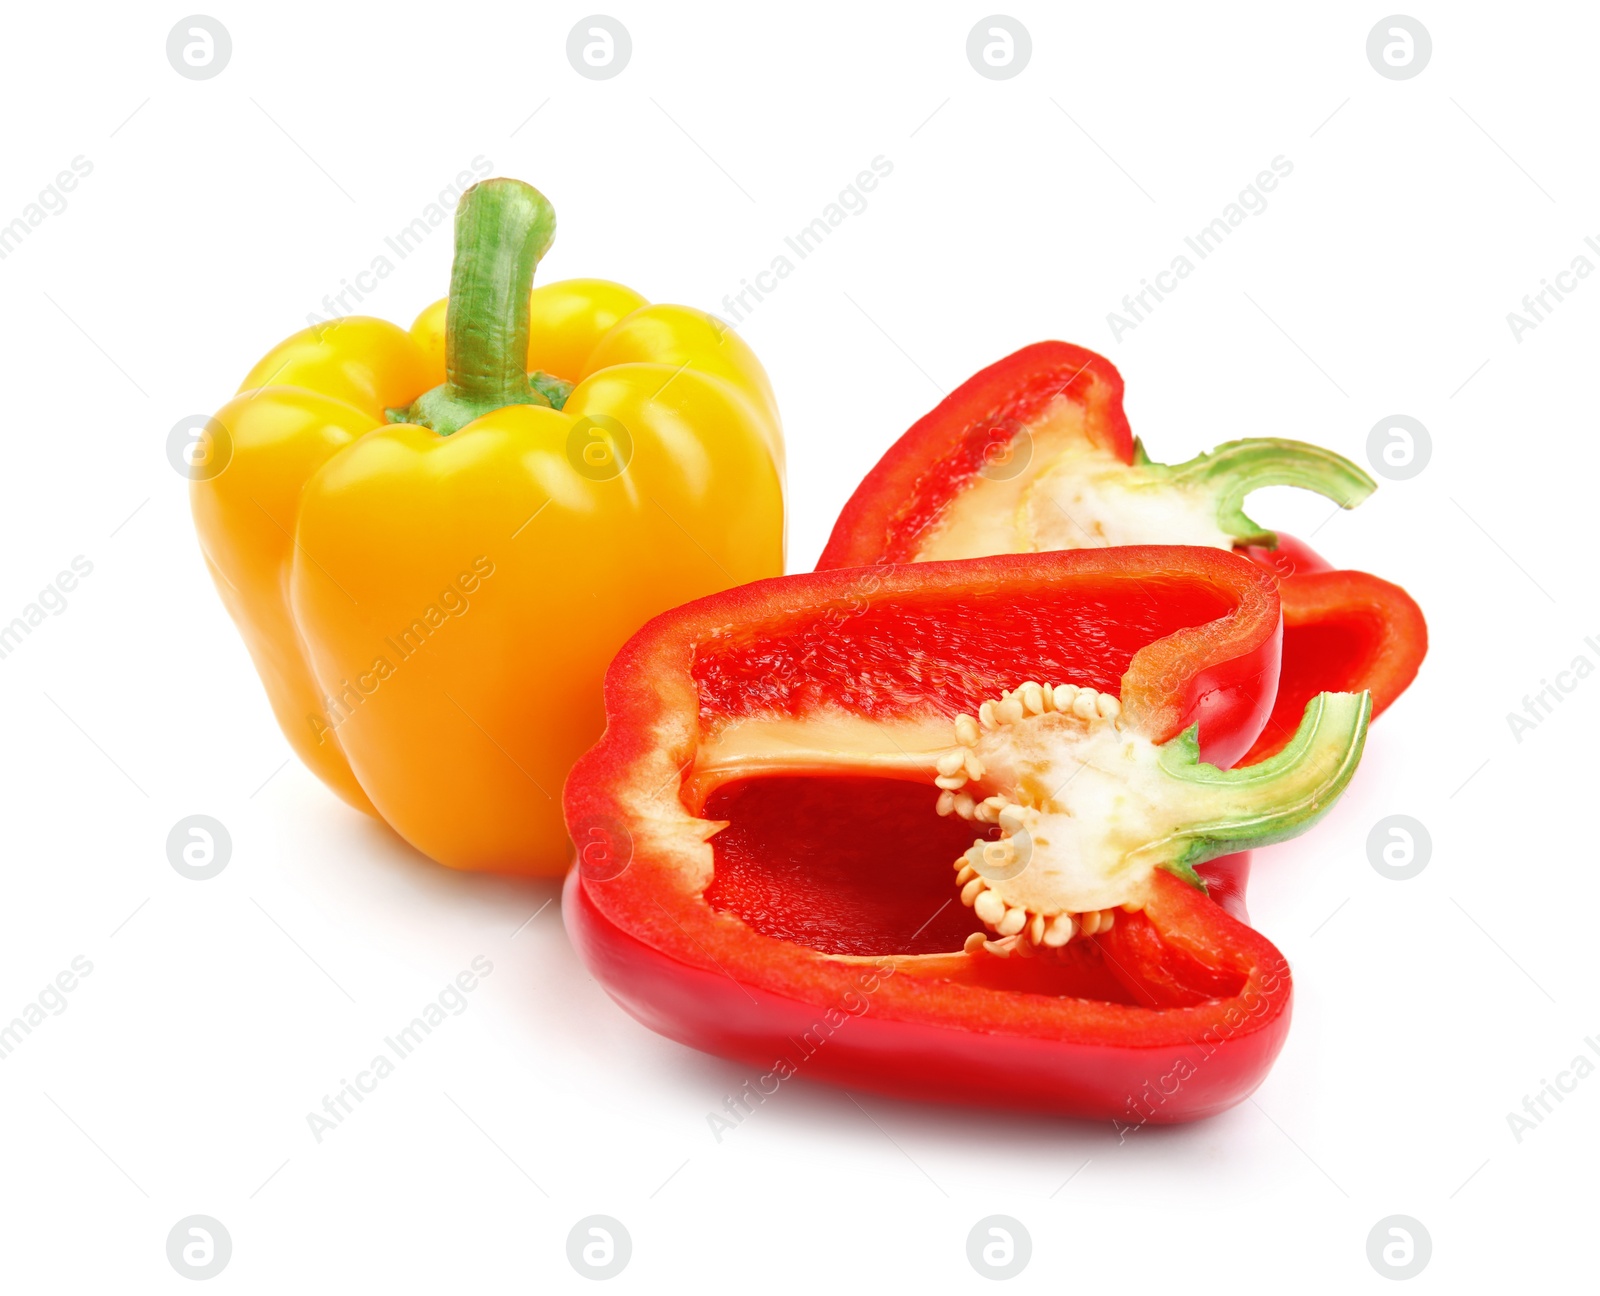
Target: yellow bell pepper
434,541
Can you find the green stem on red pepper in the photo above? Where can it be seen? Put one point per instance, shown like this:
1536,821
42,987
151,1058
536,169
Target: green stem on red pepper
1274,799
1234,469
1087,806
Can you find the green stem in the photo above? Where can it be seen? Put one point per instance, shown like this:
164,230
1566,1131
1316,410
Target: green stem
1271,801
1239,467
503,228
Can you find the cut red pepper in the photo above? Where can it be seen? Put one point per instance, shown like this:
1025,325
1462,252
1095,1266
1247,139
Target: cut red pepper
1035,453
839,825
1342,631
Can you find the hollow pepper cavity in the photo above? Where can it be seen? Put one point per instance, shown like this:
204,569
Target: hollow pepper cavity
432,541
932,830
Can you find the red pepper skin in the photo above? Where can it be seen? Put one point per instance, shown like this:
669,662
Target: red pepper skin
953,1029
947,447
1344,630
1164,1082
1227,880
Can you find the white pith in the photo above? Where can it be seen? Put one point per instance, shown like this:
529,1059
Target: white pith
1069,495
1079,800
1088,500
824,740
1087,806
1050,764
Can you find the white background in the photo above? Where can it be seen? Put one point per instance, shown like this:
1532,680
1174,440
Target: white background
218,1014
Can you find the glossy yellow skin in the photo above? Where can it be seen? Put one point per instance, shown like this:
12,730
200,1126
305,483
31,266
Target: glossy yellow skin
432,616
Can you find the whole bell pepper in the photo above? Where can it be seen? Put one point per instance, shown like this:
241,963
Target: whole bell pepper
1035,453
433,541
932,830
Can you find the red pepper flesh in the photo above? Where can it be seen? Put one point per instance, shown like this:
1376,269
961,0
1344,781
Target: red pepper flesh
737,896
1343,631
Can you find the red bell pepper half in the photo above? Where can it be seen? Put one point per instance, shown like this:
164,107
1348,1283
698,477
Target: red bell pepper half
1035,453
931,830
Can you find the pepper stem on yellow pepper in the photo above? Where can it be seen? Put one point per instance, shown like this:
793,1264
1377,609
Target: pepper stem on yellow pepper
503,228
